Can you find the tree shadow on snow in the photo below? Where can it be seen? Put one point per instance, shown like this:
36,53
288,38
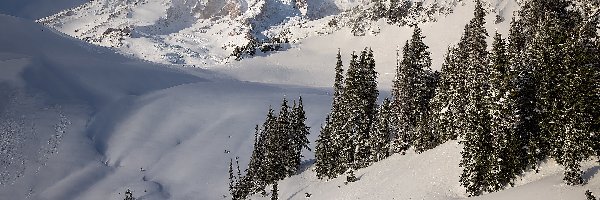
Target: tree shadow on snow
590,173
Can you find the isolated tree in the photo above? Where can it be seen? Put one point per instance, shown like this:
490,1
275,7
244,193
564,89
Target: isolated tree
129,195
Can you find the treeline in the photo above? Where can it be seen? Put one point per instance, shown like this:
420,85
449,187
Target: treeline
277,152
534,96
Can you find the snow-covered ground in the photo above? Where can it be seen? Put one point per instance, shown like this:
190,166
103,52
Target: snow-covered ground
109,117
80,121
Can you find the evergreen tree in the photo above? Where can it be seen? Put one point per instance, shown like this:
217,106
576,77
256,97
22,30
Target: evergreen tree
299,137
447,104
478,155
361,95
561,55
398,11
507,143
274,192
332,139
382,132
325,154
231,176
412,89
378,10
535,146
129,195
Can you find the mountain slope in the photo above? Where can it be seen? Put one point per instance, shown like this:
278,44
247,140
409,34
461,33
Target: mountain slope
105,117
205,33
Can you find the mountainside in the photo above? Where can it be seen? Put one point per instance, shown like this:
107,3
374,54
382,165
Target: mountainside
162,105
205,33
80,122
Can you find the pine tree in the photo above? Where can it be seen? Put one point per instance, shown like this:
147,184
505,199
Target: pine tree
447,104
324,153
231,176
535,146
378,10
560,62
382,132
129,195
275,192
412,89
298,138
506,143
361,95
332,139
478,155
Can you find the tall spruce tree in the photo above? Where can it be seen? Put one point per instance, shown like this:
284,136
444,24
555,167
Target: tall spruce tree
446,104
325,154
559,61
332,137
478,155
382,132
298,139
523,97
412,89
506,142
361,95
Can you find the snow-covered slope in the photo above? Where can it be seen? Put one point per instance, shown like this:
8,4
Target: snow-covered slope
433,175
80,122
204,33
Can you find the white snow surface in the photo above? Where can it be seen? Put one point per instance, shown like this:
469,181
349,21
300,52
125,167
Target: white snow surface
79,121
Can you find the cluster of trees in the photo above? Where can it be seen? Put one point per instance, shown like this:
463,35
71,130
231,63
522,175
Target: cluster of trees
277,152
530,98
534,96
405,12
270,44
365,132
347,140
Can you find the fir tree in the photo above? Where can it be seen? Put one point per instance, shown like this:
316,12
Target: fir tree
478,155
361,96
507,143
535,146
332,139
299,136
231,176
561,61
378,10
447,104
412,89
325,154
274,192
382,132
129,195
